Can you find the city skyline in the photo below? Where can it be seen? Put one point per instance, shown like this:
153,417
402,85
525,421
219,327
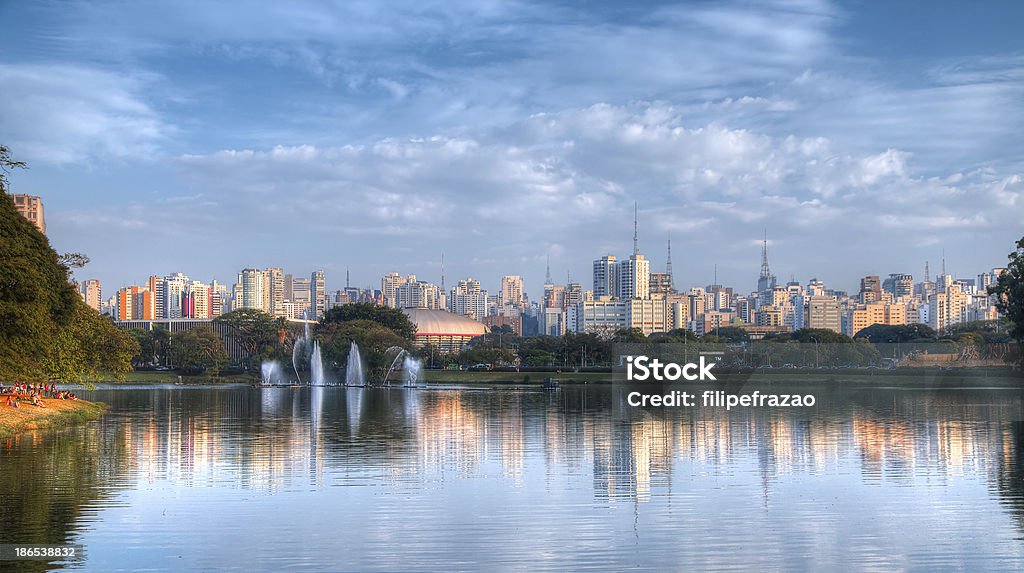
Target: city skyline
377,137
533,287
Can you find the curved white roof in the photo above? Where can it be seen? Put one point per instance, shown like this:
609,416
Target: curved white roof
440,322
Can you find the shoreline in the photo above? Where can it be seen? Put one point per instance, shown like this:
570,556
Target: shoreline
915,377
57,414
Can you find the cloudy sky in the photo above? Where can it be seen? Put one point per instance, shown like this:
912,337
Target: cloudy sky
201,137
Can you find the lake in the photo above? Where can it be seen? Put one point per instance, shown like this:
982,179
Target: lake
323,479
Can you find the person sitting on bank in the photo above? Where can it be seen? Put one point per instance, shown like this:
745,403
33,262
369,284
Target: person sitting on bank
12,401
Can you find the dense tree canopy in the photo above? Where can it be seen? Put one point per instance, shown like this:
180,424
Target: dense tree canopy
374,340
258,334
46,331
881,333
1009,291
391,318
197,350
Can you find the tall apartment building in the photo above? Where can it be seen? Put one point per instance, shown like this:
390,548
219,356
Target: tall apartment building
317,294
174,293
606,277
253,290
863,316
468,299
134,303
512,291
870,289
157,286
273,290
91,293
31,207
947,307
823,312
389,283
634,277
899,285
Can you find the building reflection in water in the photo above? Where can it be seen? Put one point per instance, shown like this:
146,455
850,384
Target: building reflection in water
284,438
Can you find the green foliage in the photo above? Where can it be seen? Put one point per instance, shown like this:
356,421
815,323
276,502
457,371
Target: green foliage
153,346
732,334
257,333
198,350
390,318
46,331
89,346
373,339
881,333
1009,292
494,355
628,336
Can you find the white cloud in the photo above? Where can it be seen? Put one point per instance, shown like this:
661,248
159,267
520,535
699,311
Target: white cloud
64,114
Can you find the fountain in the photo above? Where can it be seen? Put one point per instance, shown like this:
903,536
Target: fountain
270,372
300,347
297,350
354,375
412,370
394,362
316,366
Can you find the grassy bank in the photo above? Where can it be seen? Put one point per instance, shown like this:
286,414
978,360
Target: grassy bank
56,414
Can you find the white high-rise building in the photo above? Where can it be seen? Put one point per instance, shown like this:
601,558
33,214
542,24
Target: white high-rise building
252,281
606,277
634,277
468,299
174,292
389,283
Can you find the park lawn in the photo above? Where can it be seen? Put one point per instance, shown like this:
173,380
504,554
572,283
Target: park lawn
57,413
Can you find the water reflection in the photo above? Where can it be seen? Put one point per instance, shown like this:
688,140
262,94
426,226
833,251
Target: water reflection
850,473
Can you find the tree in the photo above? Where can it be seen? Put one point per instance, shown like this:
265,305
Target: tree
46,331
198,350
881,333
1009,292
6,164
88,346
255,332
391,318
373,339
732,334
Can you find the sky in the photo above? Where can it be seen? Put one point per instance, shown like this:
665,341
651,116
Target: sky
864,137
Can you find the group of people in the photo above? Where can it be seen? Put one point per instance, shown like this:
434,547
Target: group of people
35,393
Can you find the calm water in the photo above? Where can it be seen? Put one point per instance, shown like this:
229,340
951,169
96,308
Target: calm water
446,479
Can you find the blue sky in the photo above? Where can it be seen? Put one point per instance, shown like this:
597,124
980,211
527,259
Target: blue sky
205,137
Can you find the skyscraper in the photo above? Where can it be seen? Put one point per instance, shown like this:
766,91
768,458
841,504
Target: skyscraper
274,290
174,293
317,294
252,281
634,277
606,276
157,286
